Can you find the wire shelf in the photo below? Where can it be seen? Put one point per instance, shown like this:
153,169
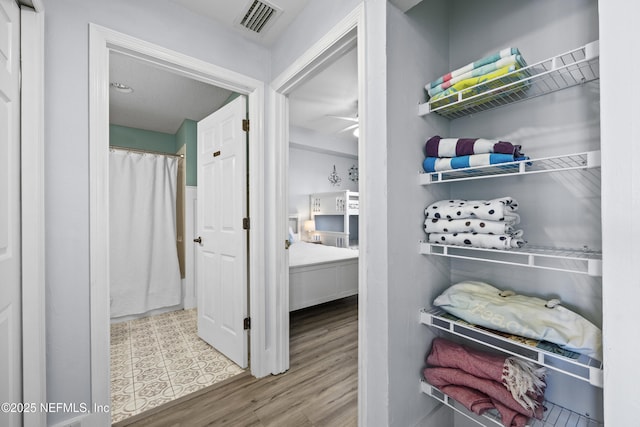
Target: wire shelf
554,415
543,353
578,161
583,261
569,69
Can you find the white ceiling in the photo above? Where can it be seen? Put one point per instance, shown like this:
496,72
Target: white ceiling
334,92
161,99
229,13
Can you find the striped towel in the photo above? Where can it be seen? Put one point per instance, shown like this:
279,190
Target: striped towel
452,147
438,164
476,64
476,72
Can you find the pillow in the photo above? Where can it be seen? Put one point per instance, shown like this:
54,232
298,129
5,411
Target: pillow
484,305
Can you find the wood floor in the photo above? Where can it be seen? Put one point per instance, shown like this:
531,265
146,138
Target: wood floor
320,388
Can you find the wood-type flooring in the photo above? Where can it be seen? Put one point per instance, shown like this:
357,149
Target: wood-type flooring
319,389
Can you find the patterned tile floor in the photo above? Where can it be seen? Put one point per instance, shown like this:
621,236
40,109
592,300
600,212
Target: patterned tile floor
158,359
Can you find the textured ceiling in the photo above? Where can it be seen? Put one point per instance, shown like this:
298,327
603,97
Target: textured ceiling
229,13
161,100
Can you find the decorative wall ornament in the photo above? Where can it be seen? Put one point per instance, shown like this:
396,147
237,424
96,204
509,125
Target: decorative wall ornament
353,173
334,179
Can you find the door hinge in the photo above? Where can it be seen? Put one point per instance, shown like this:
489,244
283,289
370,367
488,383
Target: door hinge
247,323
245,125
245,223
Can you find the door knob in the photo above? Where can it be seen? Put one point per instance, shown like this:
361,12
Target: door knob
287,244
198,240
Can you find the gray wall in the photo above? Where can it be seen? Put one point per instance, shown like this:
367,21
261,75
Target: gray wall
66,156
561,210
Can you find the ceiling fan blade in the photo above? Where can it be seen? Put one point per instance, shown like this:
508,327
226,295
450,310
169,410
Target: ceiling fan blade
351,119
353,126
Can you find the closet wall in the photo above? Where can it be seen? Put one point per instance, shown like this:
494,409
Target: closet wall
557,209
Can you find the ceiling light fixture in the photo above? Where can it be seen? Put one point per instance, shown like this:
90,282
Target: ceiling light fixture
121,87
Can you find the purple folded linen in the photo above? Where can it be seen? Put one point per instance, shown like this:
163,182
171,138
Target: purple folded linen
454,147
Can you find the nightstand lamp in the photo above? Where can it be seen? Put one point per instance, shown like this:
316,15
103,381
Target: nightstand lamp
309,226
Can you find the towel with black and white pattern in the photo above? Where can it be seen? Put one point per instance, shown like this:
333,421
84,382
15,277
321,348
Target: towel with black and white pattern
477,223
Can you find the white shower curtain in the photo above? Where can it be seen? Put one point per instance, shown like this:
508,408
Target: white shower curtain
144,269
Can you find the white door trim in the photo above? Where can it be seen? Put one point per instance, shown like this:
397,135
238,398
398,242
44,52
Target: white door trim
101,42
34,377
340,39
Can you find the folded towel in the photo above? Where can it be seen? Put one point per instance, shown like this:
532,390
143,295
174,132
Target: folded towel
476,72
477,240
476,64
495,81
524,380
469,225
481,304
440,164
500,209
473,81
454,147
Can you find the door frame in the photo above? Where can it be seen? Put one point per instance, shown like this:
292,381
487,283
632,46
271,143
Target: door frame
340,39
32,148
102,41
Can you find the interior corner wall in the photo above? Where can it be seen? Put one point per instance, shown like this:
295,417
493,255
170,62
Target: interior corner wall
67,275
188,135
417,50
309,172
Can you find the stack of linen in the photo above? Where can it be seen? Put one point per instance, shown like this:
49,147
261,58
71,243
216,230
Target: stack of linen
443,154
482,381
485,224
490,72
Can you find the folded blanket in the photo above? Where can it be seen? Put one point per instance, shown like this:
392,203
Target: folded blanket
439,164
468,225
478,240
454,147
476,72
481,304
501,209
523,380
476,64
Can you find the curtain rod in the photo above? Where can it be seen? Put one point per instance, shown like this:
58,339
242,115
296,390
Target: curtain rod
136,150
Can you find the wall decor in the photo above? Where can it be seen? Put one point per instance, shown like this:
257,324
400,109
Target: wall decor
334,179
353,173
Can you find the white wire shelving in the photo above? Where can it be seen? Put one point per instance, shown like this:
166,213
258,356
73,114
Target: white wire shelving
583,261
569,69
554,415
546,354
577,161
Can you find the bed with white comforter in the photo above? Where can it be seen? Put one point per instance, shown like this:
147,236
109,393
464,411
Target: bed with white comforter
319,273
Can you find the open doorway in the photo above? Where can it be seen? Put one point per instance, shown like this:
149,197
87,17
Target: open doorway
156,353
103,43
343,38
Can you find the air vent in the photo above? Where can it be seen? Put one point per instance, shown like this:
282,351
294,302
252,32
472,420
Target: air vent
258,16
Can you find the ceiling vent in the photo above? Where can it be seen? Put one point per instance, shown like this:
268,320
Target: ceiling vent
258,16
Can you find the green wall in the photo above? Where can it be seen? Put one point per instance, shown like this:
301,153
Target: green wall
122,136
188,135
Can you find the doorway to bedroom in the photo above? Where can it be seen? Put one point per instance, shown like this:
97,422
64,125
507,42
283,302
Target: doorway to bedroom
323,215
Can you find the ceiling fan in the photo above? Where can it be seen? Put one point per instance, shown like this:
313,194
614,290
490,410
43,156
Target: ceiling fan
353,126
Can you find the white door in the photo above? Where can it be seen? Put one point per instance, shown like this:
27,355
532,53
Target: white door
10,286
222,252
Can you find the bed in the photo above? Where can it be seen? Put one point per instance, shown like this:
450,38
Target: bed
319,273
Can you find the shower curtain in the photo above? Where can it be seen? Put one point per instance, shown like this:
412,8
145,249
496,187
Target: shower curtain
144,269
